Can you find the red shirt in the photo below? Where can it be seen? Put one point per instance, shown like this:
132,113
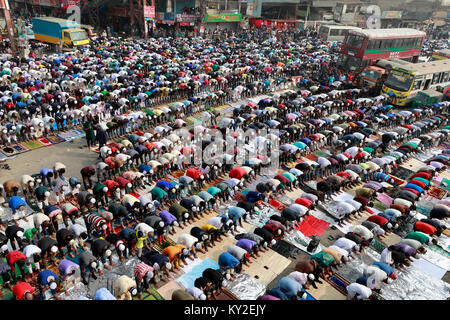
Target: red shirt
283,179
423,175
418,183
412,190
424,227
14,256
20,289
122,182
110,184
343,174
237,173
381,221
195,174
304,202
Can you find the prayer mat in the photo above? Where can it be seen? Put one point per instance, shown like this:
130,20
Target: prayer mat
436,192
9,151
308,296
177,174
20,148
54,139
397,181
32,144
6,294
167,289
439,250
163,245
226,110
284,248
277,205
312,226
225,294
312,157
71,134
445,184
153,295
339,283
134,194
45,142
403,173
378,246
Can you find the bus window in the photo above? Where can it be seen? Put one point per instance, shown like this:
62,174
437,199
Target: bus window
373,44
355,41
445,77
334,32
397,43
436,78
417,85
419,42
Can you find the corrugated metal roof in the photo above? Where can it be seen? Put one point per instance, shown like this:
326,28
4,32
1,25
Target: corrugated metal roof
383,33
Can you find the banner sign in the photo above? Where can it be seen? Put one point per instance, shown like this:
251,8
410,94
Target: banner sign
223,18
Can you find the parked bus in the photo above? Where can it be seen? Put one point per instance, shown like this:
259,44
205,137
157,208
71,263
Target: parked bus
405,82
441,55
363,47
335,33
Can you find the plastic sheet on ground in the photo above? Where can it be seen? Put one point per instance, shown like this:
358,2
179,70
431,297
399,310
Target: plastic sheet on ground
330,207
299,240
437,259
245,287
353,269
312,184
429,268
444,243
285,200
319,214
188,279
262,216
414,284
424,156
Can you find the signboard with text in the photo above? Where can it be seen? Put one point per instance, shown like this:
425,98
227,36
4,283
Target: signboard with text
149,11
186,17
223,18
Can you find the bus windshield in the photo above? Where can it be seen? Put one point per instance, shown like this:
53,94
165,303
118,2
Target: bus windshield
399,80
79,35
351,63
373,75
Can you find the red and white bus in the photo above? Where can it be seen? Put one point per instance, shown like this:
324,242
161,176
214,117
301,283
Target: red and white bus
362,48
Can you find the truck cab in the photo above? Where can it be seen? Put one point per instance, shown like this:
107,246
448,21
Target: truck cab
372,75
427,98
74,37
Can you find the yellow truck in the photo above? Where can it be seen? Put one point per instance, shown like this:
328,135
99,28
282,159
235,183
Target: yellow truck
54,30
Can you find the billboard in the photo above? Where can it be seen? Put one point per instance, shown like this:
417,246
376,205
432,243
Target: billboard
149,11
223,18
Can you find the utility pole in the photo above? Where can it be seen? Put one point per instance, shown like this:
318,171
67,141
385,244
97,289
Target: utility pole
4,5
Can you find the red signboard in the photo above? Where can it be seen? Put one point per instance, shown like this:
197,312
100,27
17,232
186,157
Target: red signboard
149,12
